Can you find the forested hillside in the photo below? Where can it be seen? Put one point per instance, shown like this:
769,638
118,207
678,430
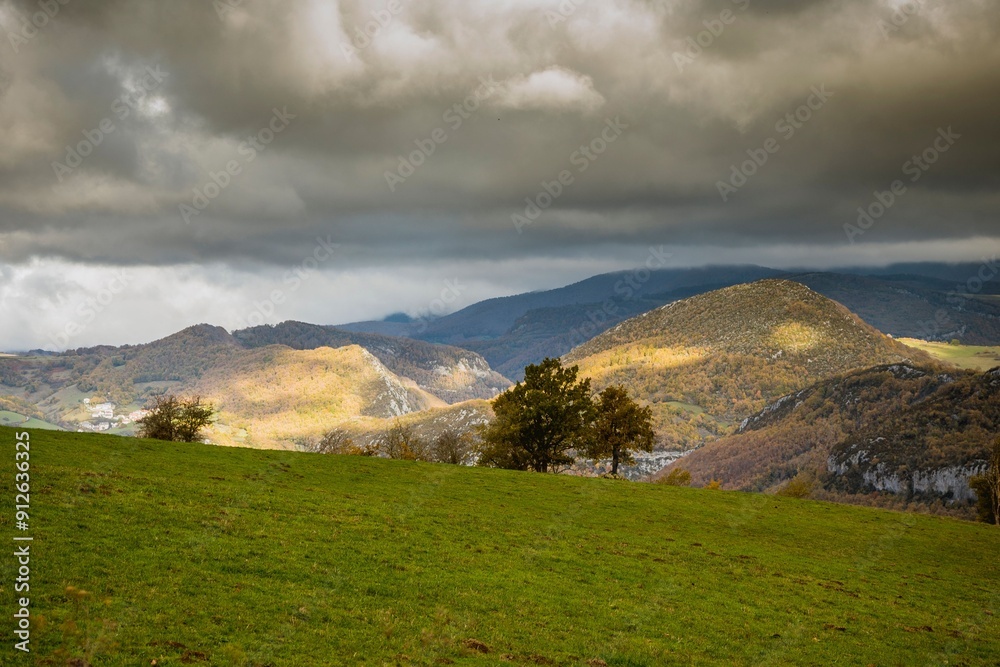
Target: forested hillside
707,362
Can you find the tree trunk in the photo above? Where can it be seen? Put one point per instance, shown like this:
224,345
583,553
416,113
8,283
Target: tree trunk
614,461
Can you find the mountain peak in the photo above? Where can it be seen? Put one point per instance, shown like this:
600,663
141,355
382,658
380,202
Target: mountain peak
200,334
771,318
709,361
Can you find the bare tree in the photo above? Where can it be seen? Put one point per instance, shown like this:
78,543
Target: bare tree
452,447
400,442
336,441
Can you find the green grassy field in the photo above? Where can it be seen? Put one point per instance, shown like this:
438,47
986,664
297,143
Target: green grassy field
974,357
14,419
191,554
687,407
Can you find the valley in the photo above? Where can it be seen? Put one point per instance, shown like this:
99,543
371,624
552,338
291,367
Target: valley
972,357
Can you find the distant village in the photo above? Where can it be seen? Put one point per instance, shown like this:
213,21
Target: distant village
103,417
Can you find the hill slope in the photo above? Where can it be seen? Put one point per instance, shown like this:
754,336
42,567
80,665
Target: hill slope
242,557
707,362
450,373
427,424
923,301
912,306
972,357
928,449
911,434
283,398
514,331
276,386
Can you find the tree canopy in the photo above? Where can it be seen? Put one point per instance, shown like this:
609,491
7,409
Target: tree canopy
173,418
539,420
621,427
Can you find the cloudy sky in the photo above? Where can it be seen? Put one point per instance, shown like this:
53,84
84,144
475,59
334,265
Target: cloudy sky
168,163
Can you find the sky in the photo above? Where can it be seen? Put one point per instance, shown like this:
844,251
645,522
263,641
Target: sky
236,161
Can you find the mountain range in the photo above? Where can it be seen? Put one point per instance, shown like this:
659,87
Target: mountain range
760,379
927,301
269,393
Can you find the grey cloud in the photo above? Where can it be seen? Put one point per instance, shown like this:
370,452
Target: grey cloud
356,117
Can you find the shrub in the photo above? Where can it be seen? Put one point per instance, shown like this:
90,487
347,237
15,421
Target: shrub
336,441
452,447
400,442
800,486
676,477
987,487
172,418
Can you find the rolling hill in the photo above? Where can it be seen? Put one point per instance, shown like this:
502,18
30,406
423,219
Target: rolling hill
427,424
240,557
896,436
908,306
514,331
796,432
450,373
927,450
919,300
972,357
268,394
707,362
278,398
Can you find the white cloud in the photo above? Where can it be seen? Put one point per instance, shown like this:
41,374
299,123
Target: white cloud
552,89
39,300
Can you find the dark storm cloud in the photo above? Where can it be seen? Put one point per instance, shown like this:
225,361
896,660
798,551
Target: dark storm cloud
555,78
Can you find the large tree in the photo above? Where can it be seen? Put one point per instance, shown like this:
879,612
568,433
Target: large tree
172,418
161,421
621,427
539,420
